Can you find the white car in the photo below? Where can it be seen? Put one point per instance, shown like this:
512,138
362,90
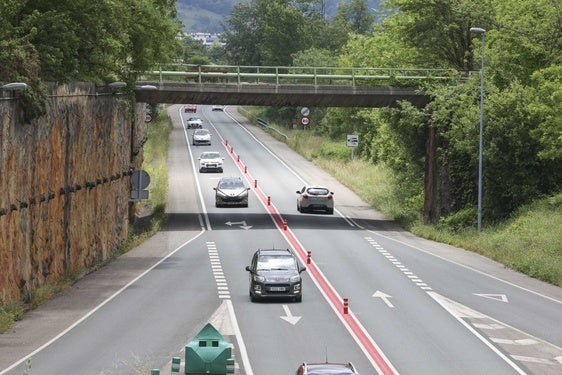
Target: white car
313,198
217,108
210,161
194,123
201,137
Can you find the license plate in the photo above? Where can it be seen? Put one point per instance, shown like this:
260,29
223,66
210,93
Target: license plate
277,289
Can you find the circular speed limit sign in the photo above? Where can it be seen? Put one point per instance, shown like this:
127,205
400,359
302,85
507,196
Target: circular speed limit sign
305,120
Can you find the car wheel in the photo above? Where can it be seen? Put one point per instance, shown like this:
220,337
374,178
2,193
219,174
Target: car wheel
201,170
298,299
220,170
330,211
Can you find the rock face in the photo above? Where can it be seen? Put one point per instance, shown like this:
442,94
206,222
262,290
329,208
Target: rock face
64,185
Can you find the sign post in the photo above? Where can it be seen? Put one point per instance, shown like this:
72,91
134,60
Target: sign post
352,141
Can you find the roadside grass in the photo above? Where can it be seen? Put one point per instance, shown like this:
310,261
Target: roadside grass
150,216
528,242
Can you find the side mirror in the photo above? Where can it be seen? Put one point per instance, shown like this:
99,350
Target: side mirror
248,269
302,269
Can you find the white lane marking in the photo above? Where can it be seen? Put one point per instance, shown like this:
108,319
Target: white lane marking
522,342
196,174
497,297
91,312
239,339
457,311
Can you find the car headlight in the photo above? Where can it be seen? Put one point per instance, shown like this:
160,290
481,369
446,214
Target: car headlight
259,279
295,279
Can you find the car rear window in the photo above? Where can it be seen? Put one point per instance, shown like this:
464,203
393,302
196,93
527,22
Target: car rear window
318,191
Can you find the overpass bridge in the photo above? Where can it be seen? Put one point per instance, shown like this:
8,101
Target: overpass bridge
288,86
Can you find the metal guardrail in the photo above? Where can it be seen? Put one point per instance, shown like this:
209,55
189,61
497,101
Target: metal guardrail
279,75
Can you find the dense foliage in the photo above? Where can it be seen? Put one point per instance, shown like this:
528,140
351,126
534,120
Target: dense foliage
84,40
523,85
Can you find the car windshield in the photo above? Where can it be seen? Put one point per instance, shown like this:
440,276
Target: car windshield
210,155
231,184
276,262
201,132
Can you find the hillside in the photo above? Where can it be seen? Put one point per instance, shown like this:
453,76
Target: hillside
207,15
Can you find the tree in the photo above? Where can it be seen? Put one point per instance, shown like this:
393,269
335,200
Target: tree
527,38
95,40
354,16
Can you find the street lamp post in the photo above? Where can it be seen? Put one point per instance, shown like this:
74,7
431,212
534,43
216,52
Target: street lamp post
482,32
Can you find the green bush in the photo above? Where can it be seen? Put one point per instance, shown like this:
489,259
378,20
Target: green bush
459,220
333,151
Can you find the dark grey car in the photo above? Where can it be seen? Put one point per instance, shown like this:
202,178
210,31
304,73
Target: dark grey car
275,273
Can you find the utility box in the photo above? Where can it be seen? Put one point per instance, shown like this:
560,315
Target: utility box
208,353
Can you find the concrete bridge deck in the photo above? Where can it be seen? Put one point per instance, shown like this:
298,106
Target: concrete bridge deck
264,94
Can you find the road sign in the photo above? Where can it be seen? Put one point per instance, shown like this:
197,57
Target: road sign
140,180
352,140
305,120
305,111
148,118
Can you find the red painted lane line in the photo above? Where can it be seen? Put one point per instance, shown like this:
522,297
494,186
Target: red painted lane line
367,344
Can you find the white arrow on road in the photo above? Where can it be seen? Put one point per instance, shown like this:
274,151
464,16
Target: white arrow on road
242,224
289,317
384,297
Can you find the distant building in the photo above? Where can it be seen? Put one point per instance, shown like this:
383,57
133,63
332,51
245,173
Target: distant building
207,38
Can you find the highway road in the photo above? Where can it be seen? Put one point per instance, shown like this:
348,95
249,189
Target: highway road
415,306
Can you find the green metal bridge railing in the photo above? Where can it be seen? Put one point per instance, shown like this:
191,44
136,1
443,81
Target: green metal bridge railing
278,75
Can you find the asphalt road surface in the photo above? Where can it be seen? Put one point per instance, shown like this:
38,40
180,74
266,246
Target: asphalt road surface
413,306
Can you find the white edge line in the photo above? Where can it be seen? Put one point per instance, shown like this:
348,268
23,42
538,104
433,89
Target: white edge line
199,192
239,339
466,267
437,298
91,312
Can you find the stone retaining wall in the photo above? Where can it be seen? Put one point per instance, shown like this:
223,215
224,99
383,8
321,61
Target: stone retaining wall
64,185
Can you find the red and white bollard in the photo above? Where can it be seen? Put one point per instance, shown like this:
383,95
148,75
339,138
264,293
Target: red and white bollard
238,158
309,253
226,142
255,183
345,305
245,169
269,200
284,224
